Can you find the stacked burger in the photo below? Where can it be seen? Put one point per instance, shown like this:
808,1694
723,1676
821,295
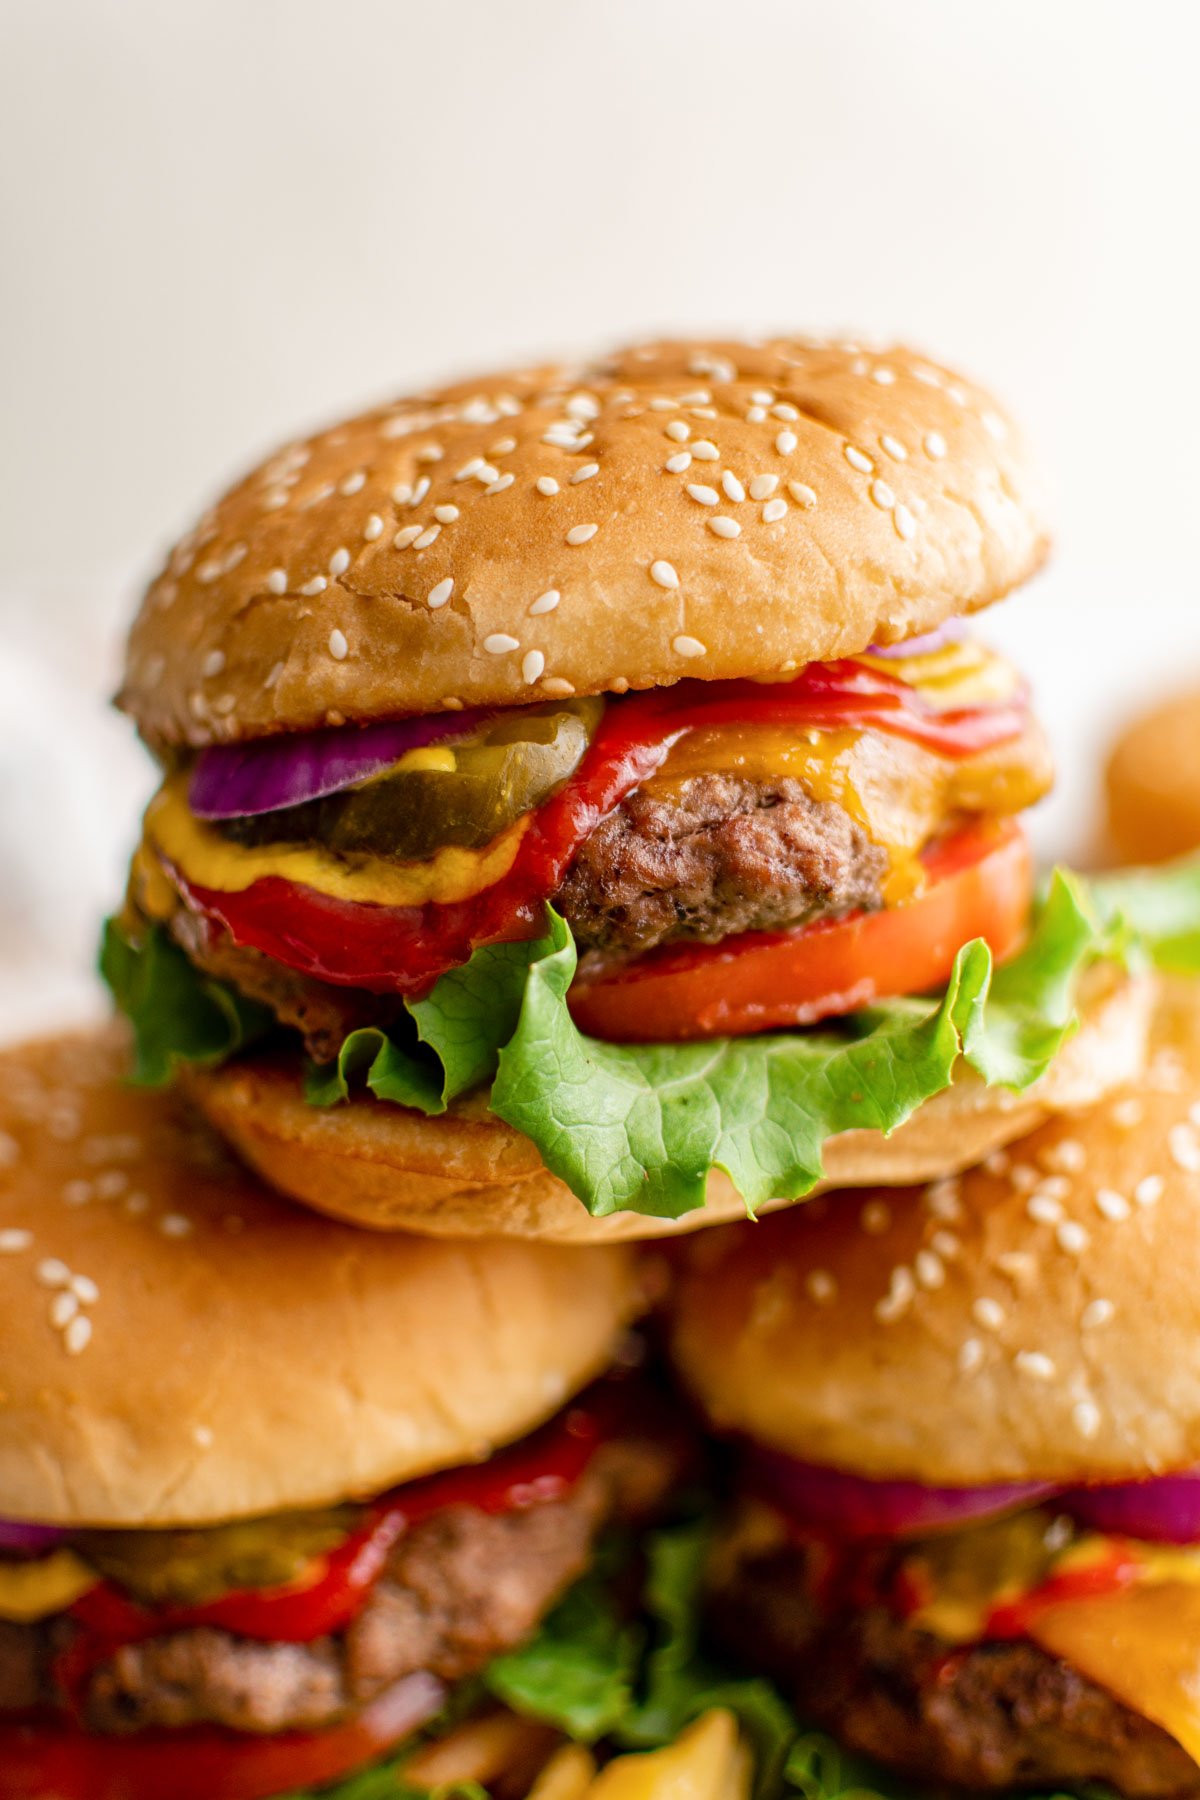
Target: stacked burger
588,817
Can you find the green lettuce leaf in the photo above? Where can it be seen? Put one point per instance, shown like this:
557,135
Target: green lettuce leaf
640,1127
178,1015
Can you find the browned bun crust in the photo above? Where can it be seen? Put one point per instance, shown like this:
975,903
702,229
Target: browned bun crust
229,1354
1037,1319
1153,783
467,1173
899,494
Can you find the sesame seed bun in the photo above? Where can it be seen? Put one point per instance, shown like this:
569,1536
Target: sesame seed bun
1037,1319
1153,783
180,1347
467,1173
708,510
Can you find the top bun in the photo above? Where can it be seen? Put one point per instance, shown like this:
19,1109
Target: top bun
179,1347
1036,1319
704,509
1153,783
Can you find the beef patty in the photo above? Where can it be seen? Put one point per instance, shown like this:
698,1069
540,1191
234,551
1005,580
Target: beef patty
991,1716
458,1589
722,855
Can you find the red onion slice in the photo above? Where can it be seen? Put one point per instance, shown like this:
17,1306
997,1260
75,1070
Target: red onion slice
849,1506
949,632
1162,1510
231,781
20,1539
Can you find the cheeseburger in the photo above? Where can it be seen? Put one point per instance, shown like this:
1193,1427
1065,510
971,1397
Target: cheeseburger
546,756
965,1423
275,1494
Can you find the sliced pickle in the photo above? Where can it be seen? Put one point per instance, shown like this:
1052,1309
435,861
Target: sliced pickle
189,1568
499,773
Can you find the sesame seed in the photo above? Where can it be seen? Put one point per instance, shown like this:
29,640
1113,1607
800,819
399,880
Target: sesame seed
338,647
53,1273
317,585
763,486
906,524
703,496
1185,1151
402,493
501,482
894,448
406,536
858,459
581,534
724,527
935,445
583,474
469,469
943,1198
705,451
1072,1237
970,1356
899,1297
438,595
1024,1177
420,491
930,1269
1068,1154
785,442
882,495
63,1309
13,1241
498,643
546,484
353,483
532,667
554,684
213,663
996,1162
675,465
273,674
946,1245
110,1184
545,603
755,415
774,510
429,536
1113,1205
78,1335
801,493
1056,1185
688,646
445,515
373,527
1149,1190
175,1225
679,431
1032,1362
821,1286
1043,1209
884,377
783,409
202,1436
85,1289
1096,1313
339,562
277,581
988,1312
664,574
733,487
1085,1415
876,1217
994,425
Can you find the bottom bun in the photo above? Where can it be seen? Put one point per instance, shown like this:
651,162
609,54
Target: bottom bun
468,1174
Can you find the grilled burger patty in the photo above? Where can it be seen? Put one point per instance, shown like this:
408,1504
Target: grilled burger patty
987,1716
725,855
458,1589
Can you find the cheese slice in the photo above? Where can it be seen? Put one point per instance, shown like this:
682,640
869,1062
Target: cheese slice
34,1590
706,1762
207,859
1142,1644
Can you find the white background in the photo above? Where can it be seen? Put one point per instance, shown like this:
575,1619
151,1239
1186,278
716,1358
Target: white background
221,222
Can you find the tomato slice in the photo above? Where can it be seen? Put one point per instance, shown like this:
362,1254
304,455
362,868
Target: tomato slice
62,1762
980,884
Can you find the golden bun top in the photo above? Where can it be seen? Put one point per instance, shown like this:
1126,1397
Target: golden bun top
468,1174
180,1347
676,509
1037,1318
1153,783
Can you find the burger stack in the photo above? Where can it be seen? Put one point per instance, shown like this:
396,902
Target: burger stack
588,818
